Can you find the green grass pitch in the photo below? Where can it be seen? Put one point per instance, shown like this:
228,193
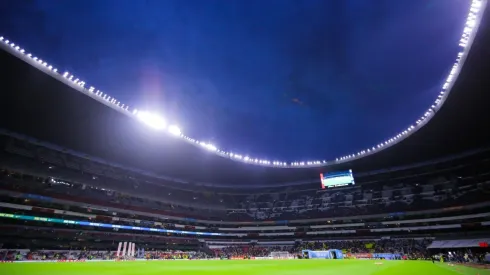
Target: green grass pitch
241,267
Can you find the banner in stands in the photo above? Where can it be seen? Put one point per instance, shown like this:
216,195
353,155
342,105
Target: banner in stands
369,245
324,254
386,256
262,258
359,255
105,225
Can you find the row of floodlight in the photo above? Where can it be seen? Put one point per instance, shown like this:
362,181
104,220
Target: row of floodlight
151,120
159,123
470,26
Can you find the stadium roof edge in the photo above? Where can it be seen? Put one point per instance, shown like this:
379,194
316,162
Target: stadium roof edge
431,142
183,181
466,44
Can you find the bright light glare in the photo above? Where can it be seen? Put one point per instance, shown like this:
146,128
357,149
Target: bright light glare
152,120
209,146
174,130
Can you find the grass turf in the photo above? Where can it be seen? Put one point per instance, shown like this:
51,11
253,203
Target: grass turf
237,267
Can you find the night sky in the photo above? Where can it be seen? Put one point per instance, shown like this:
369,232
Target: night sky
276,79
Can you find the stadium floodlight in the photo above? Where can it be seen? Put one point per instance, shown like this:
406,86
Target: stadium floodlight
210,147
174,130
152,120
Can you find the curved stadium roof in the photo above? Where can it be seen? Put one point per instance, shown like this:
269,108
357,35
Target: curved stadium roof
48,107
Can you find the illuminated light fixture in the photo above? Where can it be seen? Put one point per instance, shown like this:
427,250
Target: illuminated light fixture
210,147
174,130
152,120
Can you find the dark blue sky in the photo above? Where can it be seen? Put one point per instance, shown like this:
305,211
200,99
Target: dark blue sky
276,79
